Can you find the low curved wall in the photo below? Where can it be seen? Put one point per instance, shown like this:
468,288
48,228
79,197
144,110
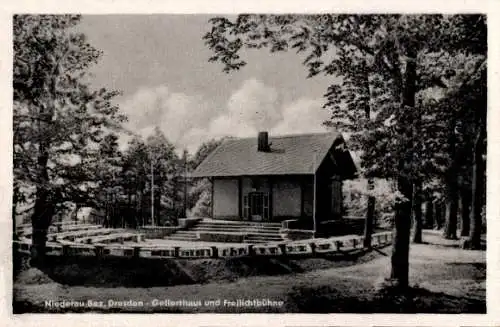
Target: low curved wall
303,248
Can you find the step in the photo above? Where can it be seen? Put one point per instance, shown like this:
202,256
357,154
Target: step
180,238
182,235
263,240
239,232
253,239
274,237
258,241
236,222
185,232
242,230
238,226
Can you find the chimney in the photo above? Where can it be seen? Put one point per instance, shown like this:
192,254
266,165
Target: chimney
263,142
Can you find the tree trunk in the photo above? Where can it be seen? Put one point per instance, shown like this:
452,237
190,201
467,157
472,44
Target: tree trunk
450,228
157,206
129,207
465,208
440,213
141,206
15,200
435,212
402,221
417,213
77,207
370,217
43,210
370,210
429,214
401,242
478,172
40,222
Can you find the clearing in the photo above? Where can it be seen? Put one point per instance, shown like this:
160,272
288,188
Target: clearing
445,279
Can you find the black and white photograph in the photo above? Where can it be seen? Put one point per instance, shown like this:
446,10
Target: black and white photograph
249,163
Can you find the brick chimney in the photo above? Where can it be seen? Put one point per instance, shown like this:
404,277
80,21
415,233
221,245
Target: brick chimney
263,142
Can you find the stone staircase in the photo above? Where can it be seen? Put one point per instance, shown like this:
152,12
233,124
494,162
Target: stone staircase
255,232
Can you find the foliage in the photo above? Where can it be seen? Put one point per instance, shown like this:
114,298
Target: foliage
61,126
369,53
356,199
382,64
200,192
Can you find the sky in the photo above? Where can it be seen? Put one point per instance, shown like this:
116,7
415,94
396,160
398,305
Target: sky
160,63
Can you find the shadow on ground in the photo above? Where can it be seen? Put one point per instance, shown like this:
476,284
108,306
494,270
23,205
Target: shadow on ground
416,300
138,272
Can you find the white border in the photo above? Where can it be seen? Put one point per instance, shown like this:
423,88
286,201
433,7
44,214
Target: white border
491,7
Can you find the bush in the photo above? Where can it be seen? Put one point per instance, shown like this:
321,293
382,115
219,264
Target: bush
356,200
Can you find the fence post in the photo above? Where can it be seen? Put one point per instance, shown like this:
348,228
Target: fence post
313,248
282,246
215,252
99,249
65,250
137,249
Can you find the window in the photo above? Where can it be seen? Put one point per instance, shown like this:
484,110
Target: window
256,204
246,207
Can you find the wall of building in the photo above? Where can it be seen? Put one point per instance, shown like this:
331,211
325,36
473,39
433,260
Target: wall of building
308,197
286,198
254,184
225,198
287,194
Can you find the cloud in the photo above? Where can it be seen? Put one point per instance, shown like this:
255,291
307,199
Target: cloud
188,120
254,104
302,116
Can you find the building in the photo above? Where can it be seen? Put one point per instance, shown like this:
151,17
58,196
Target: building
271,179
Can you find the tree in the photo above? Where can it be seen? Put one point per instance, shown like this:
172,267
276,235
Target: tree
417,213
388,46
151,168
200,200
135,169
166,168
476,91
59,121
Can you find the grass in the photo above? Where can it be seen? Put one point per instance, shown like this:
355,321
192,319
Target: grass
444,280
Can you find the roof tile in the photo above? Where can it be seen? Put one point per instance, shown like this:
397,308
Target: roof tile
290,154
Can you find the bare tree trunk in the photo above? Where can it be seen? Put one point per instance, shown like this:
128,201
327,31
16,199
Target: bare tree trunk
370,217
44,209
402,221
417,213
130,212
429,214
40,221
478,171
465,207
440,213
15,200
370,210
141,207
450,228
157,205
436,213
401,242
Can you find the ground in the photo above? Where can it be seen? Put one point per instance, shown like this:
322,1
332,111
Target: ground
444,279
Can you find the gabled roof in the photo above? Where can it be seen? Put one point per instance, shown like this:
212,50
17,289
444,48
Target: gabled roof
291,154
